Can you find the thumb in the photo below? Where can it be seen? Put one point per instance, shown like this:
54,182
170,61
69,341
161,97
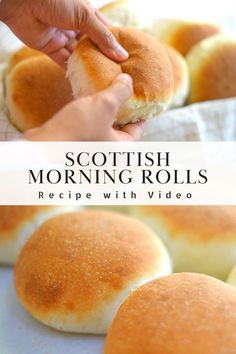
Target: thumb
116,95
104,39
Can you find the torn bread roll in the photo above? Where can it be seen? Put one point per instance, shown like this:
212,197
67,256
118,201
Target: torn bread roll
77,268
90,71
17,224
180,34
120,13
36,89
212,69
200,239
181,313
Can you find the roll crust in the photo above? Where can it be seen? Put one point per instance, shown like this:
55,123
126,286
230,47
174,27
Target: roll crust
199,223
12,218
22,54
73,270
182,35
36,89
181,313
212,69
148,64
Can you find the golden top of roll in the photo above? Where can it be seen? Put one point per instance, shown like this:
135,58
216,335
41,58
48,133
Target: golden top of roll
120,13
22,54
36,89
212,69
181,77
180,34
181,313
198,223
148,64
13,217
17,223
77,268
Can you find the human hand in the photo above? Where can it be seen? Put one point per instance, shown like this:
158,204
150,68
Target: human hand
52,26
91,118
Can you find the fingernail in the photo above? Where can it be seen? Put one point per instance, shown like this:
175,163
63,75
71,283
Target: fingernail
126,77
121,52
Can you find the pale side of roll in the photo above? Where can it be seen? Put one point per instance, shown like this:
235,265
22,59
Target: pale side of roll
212,69
200,239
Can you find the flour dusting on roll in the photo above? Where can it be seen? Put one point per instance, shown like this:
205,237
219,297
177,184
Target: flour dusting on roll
90,71
77,268
178,314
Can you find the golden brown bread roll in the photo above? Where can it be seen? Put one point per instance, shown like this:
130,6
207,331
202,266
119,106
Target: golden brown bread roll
181,35
178,314
212,69
22,54
91,71
200,239
181,77
17,223
77,268
36,89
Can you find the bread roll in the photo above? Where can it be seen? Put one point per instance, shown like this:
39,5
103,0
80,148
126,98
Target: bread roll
77,268
120,13
232,277
91,71
200,239
36,89
22,54
178,314
180,34
181,77
17,223
212,69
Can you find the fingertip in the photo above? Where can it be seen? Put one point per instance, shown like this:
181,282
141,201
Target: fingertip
120,53
125,77
135,130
